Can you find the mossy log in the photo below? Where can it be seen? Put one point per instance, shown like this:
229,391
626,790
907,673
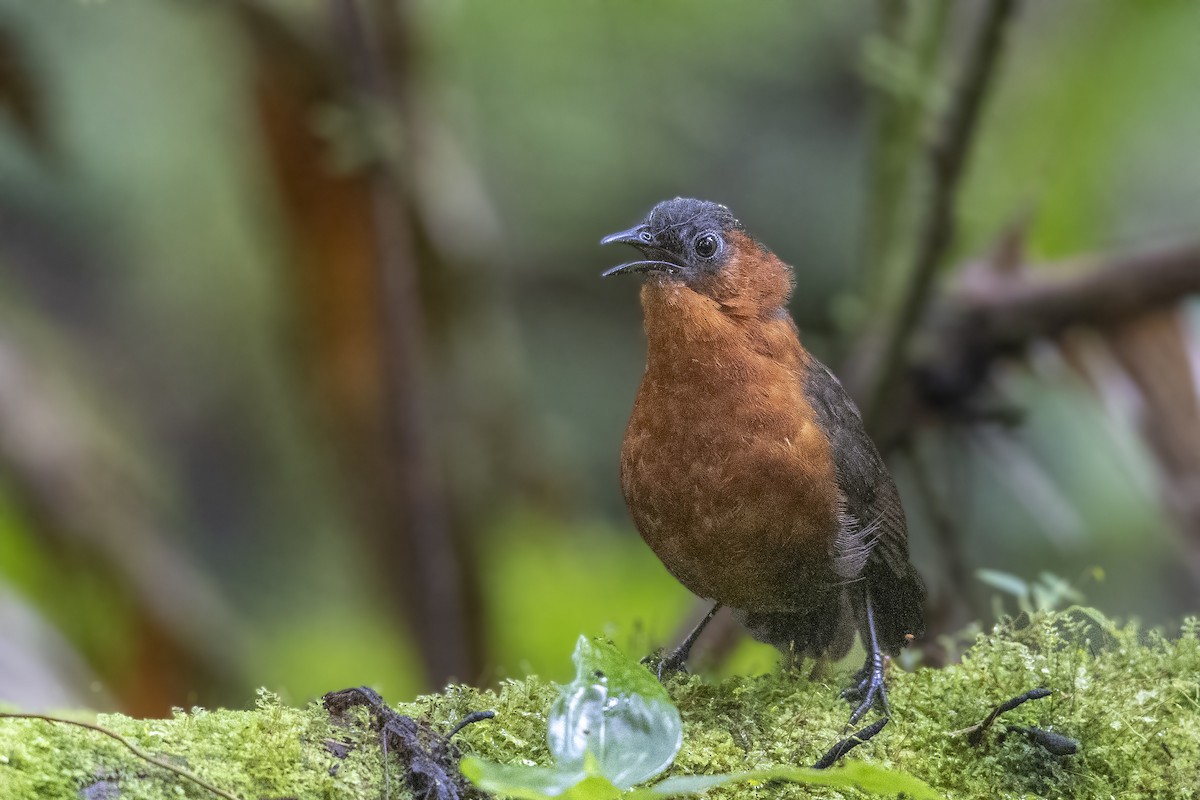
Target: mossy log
1130,699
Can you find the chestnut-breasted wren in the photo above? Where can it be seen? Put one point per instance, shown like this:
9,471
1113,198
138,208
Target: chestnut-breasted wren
746,466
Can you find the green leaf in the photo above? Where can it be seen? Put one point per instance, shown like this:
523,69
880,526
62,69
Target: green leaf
1004,581
866,777
617,713
594,787
537,783
519,780
1056,591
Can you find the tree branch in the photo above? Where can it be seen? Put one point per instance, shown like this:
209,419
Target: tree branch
1005,312
947,157
1107,290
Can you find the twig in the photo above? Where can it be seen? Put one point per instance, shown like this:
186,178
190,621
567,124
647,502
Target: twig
1054,743
975,732
133,748
431,759
835,753
947,156
470,719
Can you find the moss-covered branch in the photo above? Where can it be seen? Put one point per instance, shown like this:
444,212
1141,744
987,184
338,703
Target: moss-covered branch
1132,700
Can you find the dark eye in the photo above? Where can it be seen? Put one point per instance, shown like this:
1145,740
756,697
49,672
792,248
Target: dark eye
706,245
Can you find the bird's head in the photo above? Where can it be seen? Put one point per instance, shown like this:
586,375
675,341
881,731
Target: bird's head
683,239
701,245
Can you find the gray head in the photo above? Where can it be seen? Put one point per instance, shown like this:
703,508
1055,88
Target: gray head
683,238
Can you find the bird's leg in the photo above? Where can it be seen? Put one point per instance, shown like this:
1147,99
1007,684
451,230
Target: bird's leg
677,660
869,687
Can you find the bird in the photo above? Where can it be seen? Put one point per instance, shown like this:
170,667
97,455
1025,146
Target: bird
746,466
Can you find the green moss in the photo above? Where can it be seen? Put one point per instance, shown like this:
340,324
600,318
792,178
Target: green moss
1131,699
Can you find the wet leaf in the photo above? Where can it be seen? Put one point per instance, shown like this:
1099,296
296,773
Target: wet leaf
616,711
612,727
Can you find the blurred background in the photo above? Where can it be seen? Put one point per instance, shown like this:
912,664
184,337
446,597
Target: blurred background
308,379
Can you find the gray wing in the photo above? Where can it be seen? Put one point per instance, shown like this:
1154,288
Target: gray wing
872,545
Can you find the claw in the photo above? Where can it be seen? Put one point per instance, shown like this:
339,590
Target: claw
859,688
873,694
674,664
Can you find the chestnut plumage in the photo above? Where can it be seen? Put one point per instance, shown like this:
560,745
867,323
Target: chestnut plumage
745,465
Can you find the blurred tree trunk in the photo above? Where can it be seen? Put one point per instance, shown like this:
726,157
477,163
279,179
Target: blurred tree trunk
362,317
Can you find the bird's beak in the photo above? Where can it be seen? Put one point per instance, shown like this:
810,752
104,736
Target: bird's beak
637,237
632,236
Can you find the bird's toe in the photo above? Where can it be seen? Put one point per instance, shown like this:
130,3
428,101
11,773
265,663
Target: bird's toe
665,666
872,694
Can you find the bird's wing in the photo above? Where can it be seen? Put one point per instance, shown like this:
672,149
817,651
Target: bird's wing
873,542
873,517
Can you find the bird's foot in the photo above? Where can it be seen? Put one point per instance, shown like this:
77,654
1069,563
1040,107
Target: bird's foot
666,665
676,661
868,689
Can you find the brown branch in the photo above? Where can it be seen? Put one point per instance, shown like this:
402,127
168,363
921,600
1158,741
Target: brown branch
1002,315
133,748
1110,289
947,156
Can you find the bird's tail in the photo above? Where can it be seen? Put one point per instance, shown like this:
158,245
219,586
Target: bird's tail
827,629
898,600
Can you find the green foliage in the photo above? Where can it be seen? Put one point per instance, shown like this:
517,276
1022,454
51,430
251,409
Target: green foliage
1085,149
1131,699
587,560
1047,593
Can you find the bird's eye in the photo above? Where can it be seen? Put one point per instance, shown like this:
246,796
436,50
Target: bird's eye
706,245
645,236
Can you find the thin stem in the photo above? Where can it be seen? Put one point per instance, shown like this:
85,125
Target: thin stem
947,157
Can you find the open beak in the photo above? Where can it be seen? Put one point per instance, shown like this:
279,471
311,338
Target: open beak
633,236
640,238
